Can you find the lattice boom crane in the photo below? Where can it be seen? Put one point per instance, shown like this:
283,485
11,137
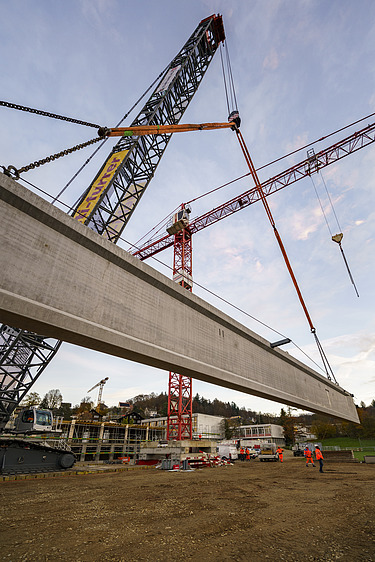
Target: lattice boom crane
108,203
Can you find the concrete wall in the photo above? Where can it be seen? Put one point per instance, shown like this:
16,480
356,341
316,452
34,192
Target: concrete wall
60,279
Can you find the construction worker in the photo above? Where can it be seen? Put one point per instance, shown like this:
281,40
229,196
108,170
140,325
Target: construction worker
247,454
279,451
242,454
319,457
308,456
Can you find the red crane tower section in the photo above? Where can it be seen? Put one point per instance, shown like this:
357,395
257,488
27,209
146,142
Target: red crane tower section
179,421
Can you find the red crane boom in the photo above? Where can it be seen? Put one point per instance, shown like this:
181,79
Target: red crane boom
327,156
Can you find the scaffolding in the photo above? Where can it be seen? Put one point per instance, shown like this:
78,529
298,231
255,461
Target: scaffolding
106,441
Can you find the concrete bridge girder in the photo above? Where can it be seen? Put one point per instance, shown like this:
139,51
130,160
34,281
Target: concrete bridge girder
61,279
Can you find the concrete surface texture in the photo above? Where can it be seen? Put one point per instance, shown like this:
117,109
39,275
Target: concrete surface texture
61,279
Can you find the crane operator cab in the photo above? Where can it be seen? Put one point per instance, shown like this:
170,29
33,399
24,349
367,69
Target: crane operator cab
33,420
179,220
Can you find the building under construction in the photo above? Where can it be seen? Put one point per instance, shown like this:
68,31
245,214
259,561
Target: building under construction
111,440
93,441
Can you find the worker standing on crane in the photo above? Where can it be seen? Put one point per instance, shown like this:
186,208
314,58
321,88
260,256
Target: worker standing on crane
308,456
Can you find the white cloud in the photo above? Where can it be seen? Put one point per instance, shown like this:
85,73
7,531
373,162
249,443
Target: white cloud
272,60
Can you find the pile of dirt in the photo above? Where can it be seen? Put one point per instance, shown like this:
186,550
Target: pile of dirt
250,511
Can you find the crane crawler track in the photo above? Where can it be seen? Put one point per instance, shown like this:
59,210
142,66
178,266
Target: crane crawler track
20,456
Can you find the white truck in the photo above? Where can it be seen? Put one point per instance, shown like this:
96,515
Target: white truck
227,451
268,452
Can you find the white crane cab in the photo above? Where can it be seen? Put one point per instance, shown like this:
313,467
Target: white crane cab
33,420
179,220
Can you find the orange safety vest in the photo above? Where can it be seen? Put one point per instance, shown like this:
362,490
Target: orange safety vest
279,451
308,453
318,454
241,451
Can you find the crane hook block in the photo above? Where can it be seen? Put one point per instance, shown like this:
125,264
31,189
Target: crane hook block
338,237
234,117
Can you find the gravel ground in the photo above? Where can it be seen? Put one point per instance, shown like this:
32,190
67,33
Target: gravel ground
250,511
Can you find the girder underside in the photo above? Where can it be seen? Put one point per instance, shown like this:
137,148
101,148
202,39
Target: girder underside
159,324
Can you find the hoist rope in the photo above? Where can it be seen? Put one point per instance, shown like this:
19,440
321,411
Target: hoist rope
325,361
331,202
334,238
225,79
321,205
230,92
233,89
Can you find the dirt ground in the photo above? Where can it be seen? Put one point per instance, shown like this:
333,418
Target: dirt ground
250,511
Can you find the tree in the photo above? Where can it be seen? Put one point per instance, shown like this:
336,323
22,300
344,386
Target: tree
52,400
288,422
65,411
31,399
228,427
324,430
85,405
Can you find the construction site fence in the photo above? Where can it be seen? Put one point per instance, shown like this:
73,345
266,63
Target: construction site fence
338,448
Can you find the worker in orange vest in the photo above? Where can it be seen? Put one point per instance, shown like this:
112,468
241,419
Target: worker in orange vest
319,457
308,456
279,451
247,454
242,454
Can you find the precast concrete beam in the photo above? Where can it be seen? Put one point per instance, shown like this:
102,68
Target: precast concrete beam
60,279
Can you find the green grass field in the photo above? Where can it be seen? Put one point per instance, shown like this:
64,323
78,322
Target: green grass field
367,445
348,442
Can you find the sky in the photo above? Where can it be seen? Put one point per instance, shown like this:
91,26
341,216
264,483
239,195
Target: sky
302,70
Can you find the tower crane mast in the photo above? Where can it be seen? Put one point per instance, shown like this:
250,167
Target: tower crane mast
108,203
180,399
